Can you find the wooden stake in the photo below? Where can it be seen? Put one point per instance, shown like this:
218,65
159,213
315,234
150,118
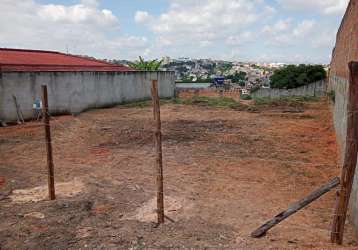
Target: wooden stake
20,117
295,207
46,121
158,146
350,157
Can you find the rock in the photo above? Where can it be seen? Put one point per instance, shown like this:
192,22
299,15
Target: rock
36,215
84,232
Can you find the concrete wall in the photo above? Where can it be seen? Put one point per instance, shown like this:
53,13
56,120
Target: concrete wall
339,109
313,89
74,92
345,51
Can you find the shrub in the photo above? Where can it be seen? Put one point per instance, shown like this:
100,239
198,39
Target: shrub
246,97
152,65
293,76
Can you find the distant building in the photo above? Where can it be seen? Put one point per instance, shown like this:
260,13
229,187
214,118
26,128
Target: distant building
166,60
183,59
219,80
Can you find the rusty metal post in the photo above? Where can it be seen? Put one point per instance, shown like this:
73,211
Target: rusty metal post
158,146
350,157
50,166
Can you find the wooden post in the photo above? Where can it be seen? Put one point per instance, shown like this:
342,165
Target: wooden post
158,146
295,207
350,157
46,121
20,117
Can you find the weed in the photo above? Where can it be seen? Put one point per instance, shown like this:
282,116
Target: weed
332,95
146,103
287,101
139,104
246,97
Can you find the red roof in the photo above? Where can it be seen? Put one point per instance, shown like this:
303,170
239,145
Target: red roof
20,60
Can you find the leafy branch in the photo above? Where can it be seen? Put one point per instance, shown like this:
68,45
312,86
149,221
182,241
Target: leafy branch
141,64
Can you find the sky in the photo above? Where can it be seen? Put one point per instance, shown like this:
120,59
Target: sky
287,31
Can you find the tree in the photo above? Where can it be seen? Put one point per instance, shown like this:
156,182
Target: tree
238,77
152,65
293,76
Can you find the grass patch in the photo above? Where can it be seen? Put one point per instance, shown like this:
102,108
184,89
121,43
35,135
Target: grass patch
207,101
145,103
284,101
224,102
139,104
227,102
246,97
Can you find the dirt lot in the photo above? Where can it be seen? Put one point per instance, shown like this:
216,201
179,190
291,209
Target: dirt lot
226,172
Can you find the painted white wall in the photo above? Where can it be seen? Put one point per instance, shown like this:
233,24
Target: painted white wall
74,92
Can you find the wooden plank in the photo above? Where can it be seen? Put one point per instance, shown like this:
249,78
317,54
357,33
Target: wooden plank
295,207
20,117
158,146
350,157
50,166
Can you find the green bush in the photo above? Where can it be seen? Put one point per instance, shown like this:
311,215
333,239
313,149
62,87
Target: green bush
293,76
152,65
246,97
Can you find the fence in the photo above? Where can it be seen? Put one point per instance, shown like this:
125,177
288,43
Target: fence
204,132
313,89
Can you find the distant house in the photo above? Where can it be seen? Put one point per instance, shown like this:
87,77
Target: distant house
20,60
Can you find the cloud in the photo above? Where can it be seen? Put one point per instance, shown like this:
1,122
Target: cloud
325,6
279,26
243,29
304,28
325,39
142,16
79,13
204,22
241,39
285,33
130,42
233,29
82,27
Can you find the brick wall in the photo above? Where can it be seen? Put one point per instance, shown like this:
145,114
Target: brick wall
345,51
346,48
189,93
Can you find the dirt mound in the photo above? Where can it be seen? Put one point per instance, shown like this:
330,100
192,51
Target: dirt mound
147,212
63,190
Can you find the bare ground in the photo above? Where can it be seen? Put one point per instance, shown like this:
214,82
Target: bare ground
226,172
